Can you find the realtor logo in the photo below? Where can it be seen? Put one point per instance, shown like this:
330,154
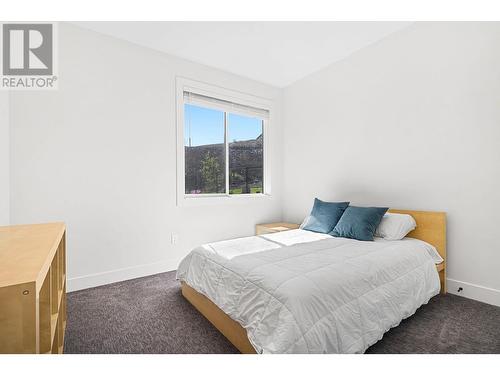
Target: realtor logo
28,56
27,49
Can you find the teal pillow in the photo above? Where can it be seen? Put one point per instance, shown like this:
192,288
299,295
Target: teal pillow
359,223
325,215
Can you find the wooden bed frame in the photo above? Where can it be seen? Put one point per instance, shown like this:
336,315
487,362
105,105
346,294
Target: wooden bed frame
431,228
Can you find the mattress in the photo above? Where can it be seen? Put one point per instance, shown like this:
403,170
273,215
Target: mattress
303,292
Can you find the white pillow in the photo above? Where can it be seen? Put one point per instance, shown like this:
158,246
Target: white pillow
432,251
395,226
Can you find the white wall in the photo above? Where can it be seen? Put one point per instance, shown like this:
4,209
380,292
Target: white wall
413,122
100,154
409,122
4,159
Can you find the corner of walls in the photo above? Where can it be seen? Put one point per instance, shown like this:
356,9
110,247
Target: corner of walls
415,114
281,199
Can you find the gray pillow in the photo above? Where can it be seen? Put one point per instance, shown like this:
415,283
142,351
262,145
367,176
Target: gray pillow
359,223
324,216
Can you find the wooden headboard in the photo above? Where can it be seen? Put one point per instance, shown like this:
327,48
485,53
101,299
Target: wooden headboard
431,228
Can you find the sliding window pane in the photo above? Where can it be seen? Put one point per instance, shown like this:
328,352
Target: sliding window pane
246,154
204,150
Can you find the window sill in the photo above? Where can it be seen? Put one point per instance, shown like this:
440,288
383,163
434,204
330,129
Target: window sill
214,199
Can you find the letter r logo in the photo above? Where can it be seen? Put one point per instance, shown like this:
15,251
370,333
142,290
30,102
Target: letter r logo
27,49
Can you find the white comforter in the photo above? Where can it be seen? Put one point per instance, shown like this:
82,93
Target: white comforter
303,292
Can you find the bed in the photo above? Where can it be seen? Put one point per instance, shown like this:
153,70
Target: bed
304,292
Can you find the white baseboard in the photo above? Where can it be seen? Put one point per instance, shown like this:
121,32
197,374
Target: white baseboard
103,278
473,291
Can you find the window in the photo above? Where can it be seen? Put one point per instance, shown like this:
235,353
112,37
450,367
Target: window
246,154
223,148
204,150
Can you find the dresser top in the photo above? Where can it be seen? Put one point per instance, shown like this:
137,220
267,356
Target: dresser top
26,251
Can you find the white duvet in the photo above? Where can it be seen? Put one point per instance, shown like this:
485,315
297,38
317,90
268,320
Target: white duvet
304,292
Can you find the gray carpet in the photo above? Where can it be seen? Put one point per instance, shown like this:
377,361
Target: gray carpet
149,315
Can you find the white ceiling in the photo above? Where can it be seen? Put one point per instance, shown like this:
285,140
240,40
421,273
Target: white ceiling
276,53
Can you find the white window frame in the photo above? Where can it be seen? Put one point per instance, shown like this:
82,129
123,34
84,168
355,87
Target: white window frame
201,88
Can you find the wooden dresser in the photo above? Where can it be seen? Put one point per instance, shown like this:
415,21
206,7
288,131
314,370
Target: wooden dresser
32,288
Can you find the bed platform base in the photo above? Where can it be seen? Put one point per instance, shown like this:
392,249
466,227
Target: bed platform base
431,228
231,329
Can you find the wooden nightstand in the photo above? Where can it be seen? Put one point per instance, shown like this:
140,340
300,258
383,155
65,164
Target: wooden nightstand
274,228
